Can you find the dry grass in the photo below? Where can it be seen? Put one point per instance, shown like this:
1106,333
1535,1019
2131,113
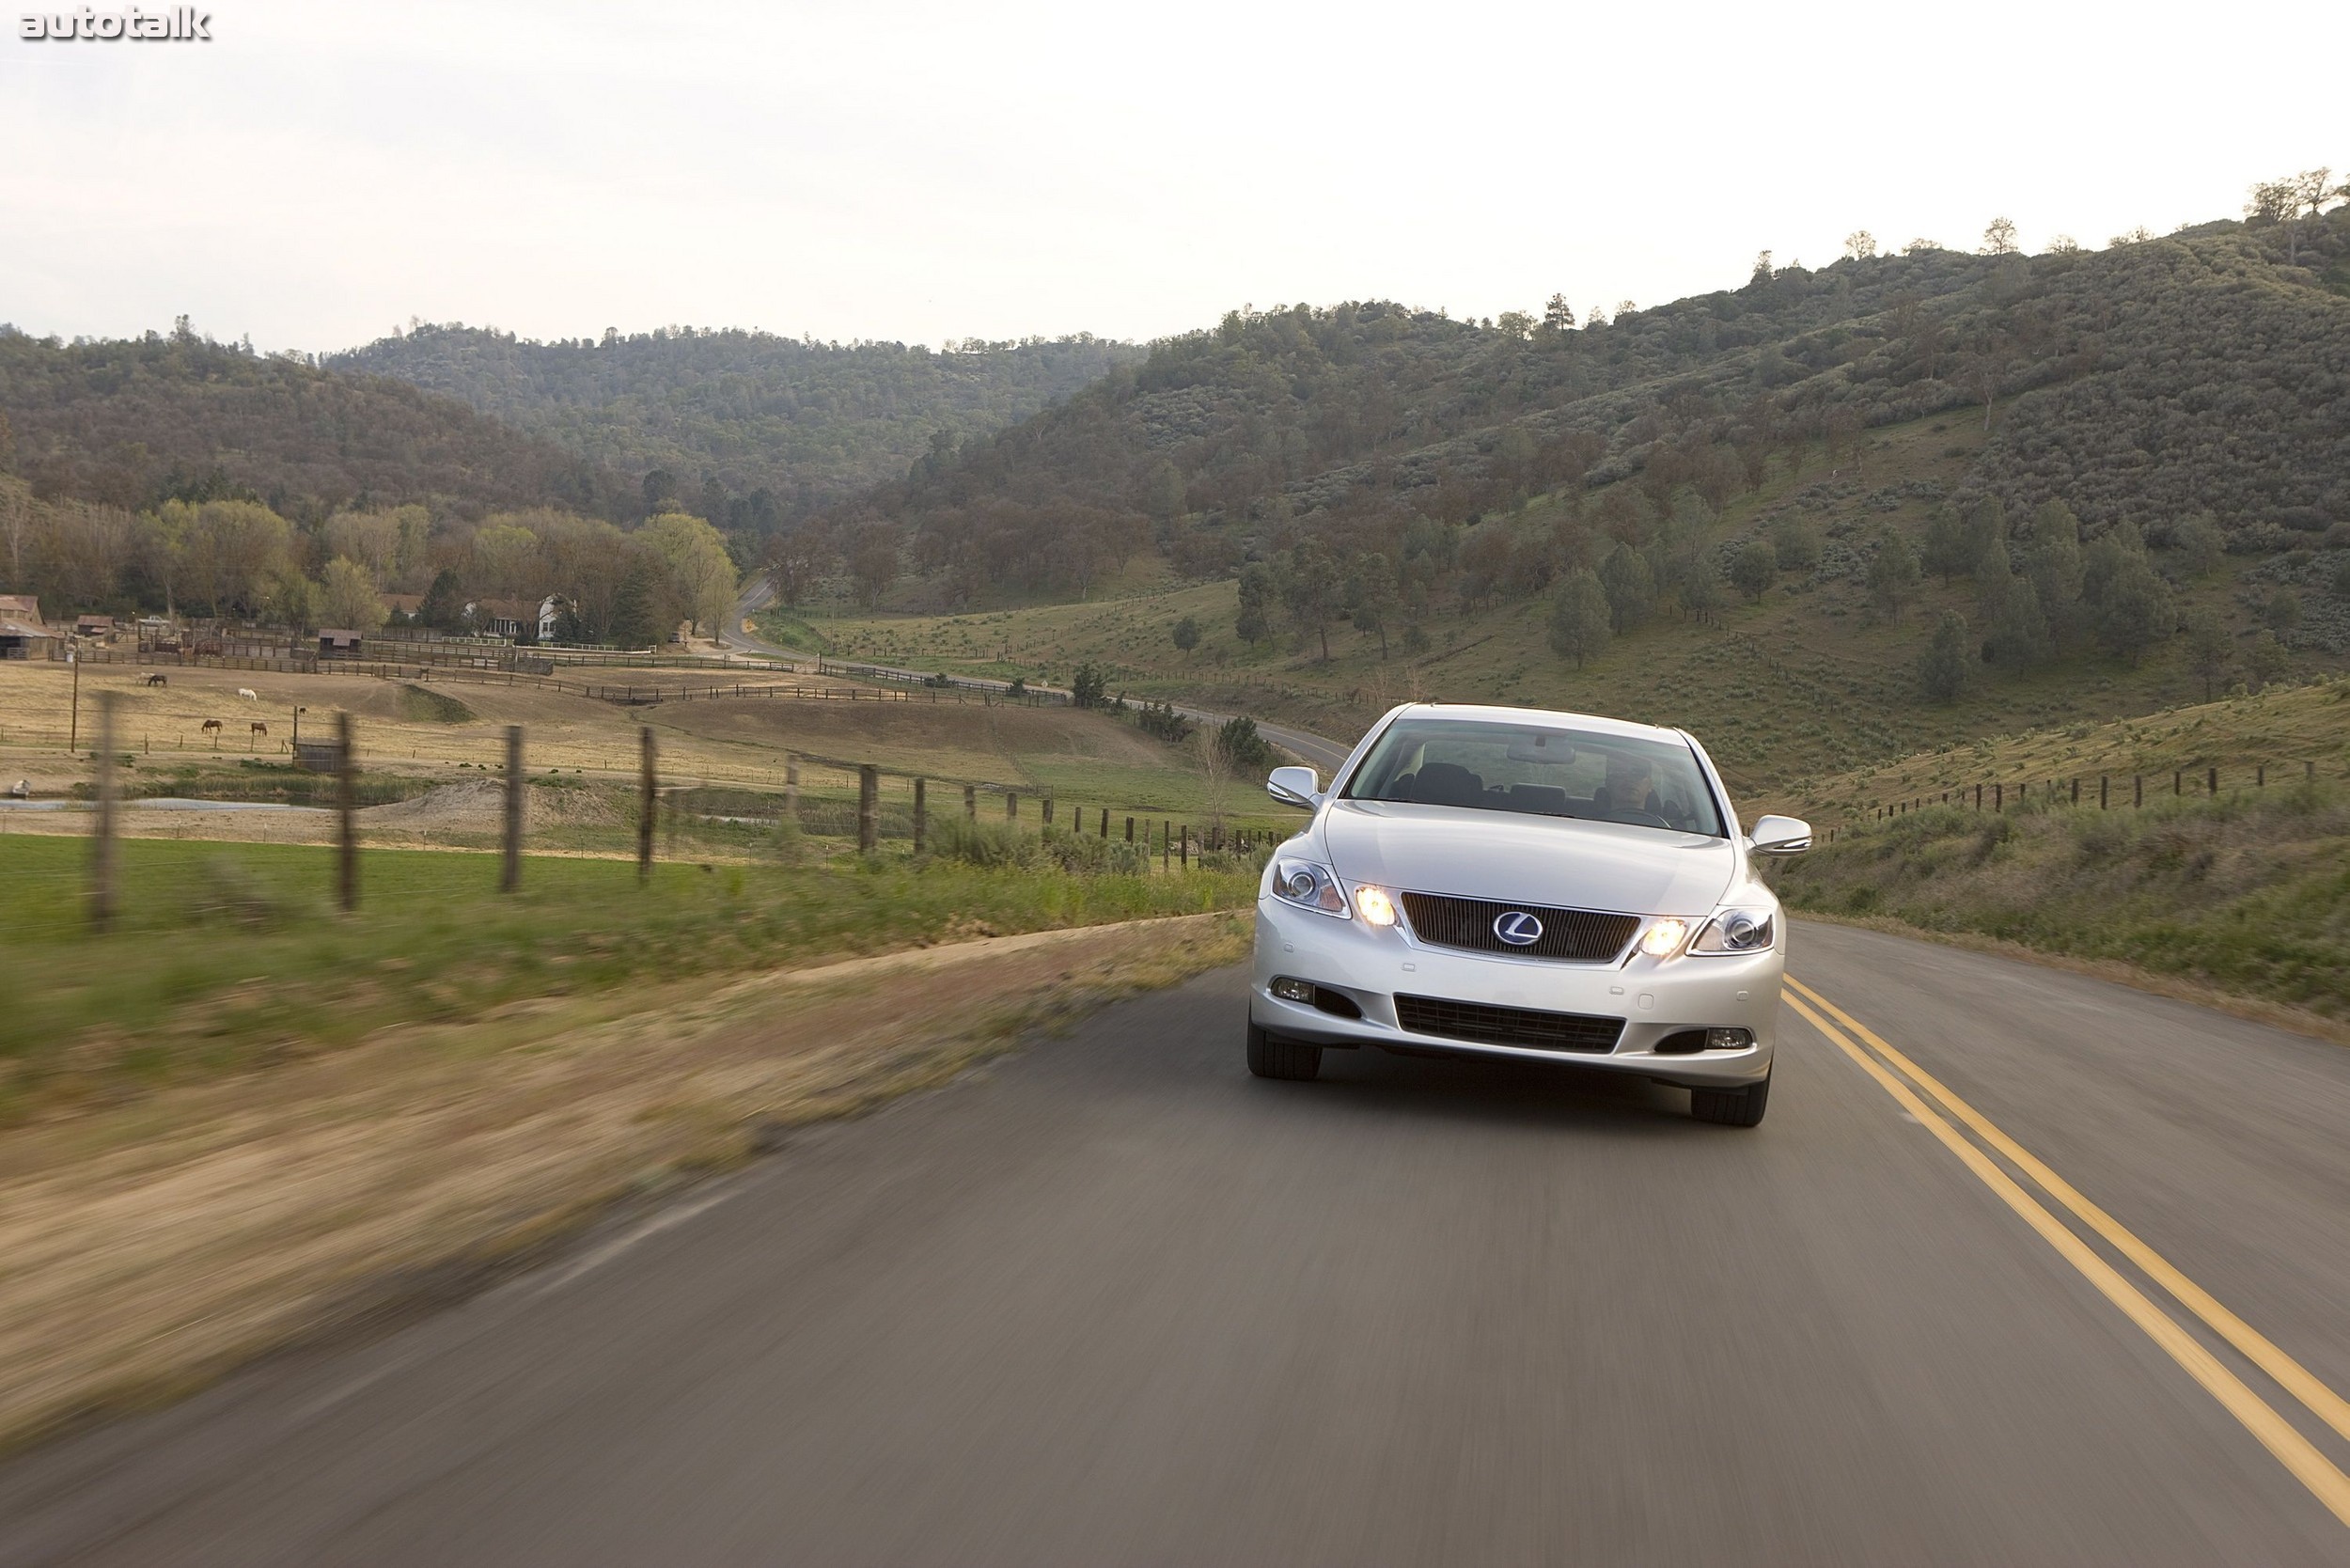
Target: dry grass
153,1245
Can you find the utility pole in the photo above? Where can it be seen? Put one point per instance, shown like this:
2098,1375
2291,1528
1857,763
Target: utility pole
73,725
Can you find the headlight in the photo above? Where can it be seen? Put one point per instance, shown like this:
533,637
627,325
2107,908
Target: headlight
1736,931
1664,938
1309,886
1375,906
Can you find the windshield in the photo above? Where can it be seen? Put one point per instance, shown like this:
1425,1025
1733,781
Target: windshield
1542,768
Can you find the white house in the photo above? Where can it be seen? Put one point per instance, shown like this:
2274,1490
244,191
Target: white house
513,618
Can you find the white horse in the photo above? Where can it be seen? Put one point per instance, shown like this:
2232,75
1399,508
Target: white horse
248,694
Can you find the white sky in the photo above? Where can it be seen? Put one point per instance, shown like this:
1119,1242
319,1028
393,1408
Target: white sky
322,171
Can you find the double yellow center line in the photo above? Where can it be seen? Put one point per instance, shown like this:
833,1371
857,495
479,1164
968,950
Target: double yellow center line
1896,1074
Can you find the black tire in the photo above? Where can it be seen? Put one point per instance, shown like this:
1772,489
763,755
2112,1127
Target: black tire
1731,1107
1272,1057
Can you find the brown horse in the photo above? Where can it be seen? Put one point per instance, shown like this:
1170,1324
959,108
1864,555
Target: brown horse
260,730
212,728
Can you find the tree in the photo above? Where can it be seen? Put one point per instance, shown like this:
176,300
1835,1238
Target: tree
2054,565
1999,237
1762,268
505,560
2282,612
1893,576
1186,636
872,567
1514,325
1754,569
1699,584
1089,687
1859,245
2202,546
635,608
2016,630
1630,585
795,560
701,571
1242,746
1557,316
1372,597
2209,649
1252,623
1310,591
1946,545
1796,544
347,596
2135,609
1163,493
1943,668
2268,660
443,607
1581,619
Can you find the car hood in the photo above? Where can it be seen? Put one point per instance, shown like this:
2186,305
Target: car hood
1516,858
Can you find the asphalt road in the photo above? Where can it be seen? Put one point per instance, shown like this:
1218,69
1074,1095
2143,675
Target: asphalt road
1112,1300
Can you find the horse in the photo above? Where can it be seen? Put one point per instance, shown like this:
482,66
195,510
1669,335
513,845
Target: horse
159,679
260,730
212,728
248,694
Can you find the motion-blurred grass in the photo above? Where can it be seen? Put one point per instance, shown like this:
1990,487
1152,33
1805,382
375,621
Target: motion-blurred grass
226,957
2249,893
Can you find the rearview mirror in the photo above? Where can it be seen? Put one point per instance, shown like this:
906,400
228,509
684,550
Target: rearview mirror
1295,786
1781,836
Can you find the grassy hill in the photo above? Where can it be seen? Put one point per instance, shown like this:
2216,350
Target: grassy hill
134,422
746,423
2126,471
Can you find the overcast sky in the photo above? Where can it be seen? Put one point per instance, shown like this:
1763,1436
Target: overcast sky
320,172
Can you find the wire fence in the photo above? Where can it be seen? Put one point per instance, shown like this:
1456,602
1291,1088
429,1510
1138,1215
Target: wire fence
2102,791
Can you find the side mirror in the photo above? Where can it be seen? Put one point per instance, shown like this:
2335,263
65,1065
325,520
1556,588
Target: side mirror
1295,786
1781,836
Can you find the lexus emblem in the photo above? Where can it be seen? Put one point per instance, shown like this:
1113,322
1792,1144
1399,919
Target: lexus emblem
1518,928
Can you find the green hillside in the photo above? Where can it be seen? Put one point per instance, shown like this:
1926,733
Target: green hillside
748,427
1829,518
131,423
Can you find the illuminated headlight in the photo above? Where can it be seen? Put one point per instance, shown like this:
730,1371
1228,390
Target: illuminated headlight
1736,931
1374,906
1664,938
1308,886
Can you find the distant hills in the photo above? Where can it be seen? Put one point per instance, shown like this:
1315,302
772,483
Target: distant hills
738,421
131,423
2202,372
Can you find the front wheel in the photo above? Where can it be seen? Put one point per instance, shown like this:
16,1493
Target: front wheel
1731,1107
1272,1057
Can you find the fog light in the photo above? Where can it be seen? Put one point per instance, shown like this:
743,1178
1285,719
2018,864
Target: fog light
1664,938
1291,989
1377,908
1728,1040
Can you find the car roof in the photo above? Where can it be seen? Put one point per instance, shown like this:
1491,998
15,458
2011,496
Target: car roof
1492,715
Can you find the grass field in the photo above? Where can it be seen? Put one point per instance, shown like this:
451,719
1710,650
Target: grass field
2284,729
228,957
1805,682
411,735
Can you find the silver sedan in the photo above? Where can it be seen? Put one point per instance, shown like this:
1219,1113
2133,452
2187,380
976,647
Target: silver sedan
1507,881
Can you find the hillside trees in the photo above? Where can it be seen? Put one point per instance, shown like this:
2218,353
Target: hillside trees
700,572
347,596
1581,619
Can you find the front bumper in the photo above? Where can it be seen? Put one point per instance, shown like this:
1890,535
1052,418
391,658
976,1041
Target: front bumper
1653,998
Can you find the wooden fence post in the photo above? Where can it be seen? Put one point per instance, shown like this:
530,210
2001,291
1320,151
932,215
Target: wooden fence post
1130,830
510,865
868,806
102,877
1998,797
1048,810
2076,792
921,813
1187,846
346,805
1167,844
2138,792
1011,806
1105,821
648,799
971,802
2215,781
792,785
2101,791
2174,782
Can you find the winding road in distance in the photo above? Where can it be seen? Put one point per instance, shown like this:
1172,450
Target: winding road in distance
2022,1268
1324,755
